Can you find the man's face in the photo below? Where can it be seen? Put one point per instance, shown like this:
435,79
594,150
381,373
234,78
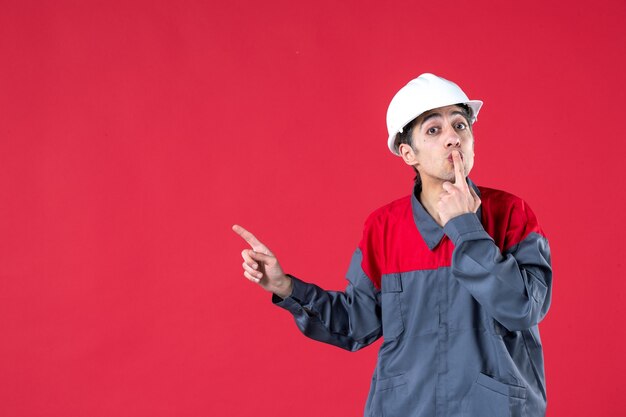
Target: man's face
436,134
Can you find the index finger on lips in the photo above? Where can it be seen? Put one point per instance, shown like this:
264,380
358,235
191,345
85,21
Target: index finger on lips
459,169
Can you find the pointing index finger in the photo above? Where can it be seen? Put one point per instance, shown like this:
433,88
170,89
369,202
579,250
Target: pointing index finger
250,238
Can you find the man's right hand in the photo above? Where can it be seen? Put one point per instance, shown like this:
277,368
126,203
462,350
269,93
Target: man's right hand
261,266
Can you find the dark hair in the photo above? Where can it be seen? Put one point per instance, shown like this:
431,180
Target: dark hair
406,136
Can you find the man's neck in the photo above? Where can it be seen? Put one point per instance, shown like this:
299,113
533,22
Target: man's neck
429,196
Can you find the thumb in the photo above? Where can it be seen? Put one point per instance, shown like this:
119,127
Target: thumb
261,257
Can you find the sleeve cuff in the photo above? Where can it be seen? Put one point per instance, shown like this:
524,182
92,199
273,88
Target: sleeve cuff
293,303
465,227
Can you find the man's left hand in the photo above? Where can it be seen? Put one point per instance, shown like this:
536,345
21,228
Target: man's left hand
457,198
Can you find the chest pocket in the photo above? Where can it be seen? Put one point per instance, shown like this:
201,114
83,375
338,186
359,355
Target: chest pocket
393,318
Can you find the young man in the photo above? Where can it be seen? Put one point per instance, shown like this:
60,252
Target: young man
455,277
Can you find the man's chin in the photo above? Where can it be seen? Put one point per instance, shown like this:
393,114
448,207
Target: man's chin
449,176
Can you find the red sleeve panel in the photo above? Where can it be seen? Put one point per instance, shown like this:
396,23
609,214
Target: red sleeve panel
507,218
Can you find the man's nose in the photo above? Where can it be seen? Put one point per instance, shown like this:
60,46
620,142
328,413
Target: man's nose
452,139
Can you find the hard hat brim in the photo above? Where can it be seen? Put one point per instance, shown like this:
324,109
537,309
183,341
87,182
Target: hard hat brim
475,105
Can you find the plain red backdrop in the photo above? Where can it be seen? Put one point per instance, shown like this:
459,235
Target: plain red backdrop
133,134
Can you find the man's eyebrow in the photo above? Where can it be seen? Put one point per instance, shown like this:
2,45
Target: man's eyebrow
430,116
459,113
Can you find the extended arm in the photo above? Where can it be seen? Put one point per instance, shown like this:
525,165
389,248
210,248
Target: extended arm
350,319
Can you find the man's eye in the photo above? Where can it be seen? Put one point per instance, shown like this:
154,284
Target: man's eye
461,126
432,131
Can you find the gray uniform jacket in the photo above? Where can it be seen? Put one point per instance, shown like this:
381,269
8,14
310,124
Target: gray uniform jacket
458,309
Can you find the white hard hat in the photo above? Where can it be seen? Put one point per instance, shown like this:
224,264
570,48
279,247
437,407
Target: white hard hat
424,93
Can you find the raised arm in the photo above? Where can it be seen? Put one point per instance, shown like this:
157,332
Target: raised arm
513,285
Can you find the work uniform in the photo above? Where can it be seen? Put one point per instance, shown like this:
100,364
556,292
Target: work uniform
457,306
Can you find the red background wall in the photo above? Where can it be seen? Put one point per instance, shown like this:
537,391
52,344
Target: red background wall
133,134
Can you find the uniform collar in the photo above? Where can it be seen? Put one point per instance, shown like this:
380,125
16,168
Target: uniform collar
431,232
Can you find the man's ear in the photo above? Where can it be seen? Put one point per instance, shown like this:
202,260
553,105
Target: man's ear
408,154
